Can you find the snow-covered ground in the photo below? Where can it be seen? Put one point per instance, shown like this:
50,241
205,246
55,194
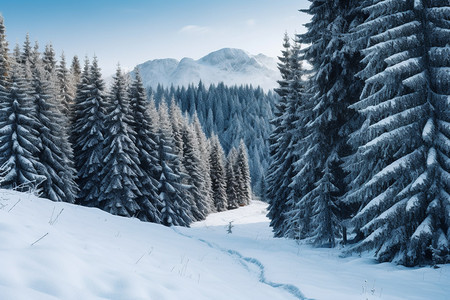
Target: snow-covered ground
85,253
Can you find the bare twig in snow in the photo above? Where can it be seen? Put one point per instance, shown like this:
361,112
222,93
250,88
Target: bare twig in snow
51,222
39,239
14,205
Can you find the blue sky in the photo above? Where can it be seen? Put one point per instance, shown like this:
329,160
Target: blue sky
133,31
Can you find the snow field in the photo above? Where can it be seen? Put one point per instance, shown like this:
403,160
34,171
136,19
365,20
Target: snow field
85,253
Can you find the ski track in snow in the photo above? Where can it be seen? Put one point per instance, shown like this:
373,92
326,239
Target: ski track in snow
290,288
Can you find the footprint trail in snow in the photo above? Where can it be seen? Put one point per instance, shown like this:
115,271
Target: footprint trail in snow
290,288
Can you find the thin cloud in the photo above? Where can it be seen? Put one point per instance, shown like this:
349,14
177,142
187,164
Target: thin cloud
251,22
195,29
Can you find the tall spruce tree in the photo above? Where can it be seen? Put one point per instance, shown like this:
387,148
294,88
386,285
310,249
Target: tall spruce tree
65,89
145,140
172,193
25,54
177,124
402,163
298,114
244,190
120,186
280,171
218,175
203,146
49,60
20,144
195,178
55,153
335,62
4,57
5,64
75,71
232,182
88,134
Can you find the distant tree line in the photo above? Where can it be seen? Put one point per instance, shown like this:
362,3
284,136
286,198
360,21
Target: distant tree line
68,137
233,113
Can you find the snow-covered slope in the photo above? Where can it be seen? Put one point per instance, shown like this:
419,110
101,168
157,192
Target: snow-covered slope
60,251
231,66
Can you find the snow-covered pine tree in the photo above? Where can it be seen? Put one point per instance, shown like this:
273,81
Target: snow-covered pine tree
4,58
335,61
154,117
195,176
209,123
25,54
263,189
177,124
75,71
218,175
16,54
120,186
244,191
172,193
87,134
404,143
278,175
147,148
55,153
295,121
19,140
65,89
35,58
49,59
203,146
232,182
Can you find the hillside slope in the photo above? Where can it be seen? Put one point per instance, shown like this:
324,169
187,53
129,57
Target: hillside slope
60,251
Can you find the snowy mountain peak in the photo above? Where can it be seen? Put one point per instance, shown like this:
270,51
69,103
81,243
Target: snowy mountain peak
225,54
228,65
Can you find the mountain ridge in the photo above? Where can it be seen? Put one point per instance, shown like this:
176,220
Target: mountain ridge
231,66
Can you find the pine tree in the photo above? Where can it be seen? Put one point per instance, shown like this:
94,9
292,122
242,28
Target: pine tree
244,192
195,175
88,134
16,54
203,147
120,186
65,89
49,60
25,55
263,188
75,71
280,171
218,176
172,193
402,163
177,124
55,153
34,59
324,123
147,148
4,59
20,143
232,182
